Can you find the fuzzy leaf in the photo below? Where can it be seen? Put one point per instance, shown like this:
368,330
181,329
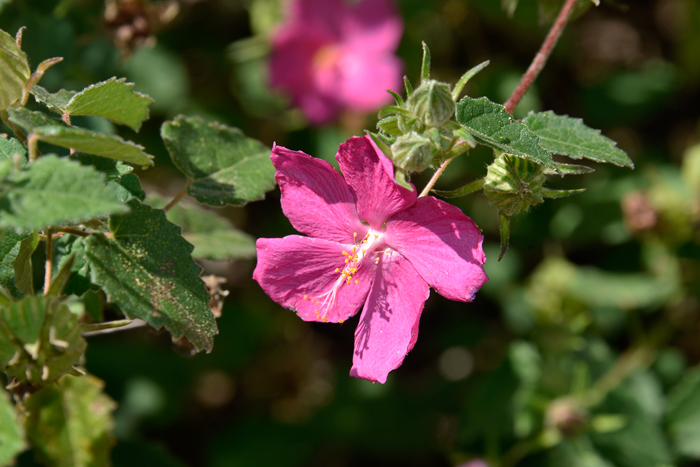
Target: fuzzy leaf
146,269
226,166
492,126
11,432
561,134
55,191
570,169
10,242
14,70
70,424
112,99
100,144
68,246
112,169
24,273
11,146
683,415
213,236
56,102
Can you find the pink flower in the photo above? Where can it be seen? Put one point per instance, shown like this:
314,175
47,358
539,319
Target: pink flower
370,242
330,55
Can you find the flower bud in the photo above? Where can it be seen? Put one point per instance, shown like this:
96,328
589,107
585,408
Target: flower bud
432,103
514,184
567,416
413,152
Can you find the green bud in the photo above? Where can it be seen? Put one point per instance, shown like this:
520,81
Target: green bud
413,152
514,184
432,103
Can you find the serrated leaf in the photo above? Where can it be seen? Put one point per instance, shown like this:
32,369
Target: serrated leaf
114,100
147,269
55,191
14,70
11,146
70,424
492,126
569,136
47,336
56,132
56,102
68,246
226,166
11,431
213,236
683,415
10,242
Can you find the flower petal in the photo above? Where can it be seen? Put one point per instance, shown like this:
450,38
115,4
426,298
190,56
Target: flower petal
373,26
365,78
388,326
443,244
299,273
371,177
315,198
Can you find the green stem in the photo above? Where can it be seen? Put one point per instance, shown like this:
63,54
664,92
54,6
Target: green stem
32,143
49,261
542,55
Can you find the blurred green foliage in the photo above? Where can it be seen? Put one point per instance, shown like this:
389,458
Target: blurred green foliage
583,348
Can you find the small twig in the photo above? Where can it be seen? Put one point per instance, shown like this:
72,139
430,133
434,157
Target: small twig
32,143
79,233
435,177
49,261
178,197
541,58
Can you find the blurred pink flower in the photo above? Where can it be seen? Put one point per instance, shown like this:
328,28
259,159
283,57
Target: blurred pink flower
331,55
371,242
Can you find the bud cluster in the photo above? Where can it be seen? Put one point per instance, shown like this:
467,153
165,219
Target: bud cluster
421,131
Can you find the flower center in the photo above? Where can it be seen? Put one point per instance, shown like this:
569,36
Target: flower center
326,57
355,257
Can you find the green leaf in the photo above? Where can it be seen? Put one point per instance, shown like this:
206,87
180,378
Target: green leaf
146,269
11,432
55,191
561,134
56,132
68,246
11,146
569,169
213,236
226,167
14,70
46,336
548,193
641,443
112,99
683,415
9,249
492,126
56,102
476,185
112,169
70,424
24,273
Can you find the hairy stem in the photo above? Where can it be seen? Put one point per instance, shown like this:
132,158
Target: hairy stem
49,261
178,197
542,55
435,177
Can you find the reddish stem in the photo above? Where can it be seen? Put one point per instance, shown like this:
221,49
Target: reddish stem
178,197
542,55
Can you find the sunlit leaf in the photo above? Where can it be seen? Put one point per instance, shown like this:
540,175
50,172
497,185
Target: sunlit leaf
10,242
56,102
225,166
55,191
11,146
147,269
112,99
561,134
100,144
492,126
70,423
14,70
